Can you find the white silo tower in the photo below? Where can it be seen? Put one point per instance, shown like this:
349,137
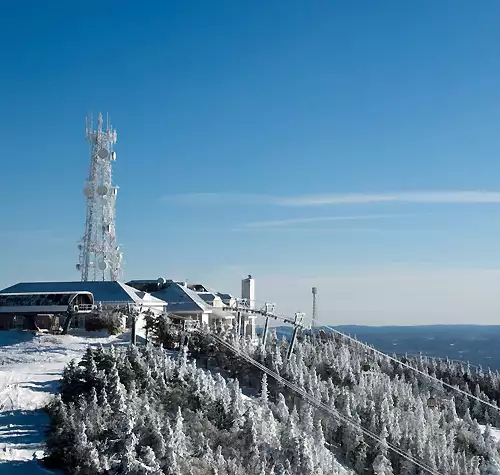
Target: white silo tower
314,306
248,291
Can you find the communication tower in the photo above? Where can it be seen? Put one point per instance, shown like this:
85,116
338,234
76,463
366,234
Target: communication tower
100,256
314,309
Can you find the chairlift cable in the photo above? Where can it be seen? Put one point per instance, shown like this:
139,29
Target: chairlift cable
377,352
412,368
318,404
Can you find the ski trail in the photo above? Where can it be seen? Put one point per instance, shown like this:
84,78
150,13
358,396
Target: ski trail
30,370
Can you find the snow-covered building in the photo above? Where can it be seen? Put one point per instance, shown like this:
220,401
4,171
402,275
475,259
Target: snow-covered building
219,301
213,298
177,299
105,295
186,303
198,302
38,310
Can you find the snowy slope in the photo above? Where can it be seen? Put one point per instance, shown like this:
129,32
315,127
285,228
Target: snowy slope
30,367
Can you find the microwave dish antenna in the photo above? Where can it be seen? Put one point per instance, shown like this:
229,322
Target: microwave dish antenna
99,254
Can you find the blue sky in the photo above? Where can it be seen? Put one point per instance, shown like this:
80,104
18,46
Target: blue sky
349,145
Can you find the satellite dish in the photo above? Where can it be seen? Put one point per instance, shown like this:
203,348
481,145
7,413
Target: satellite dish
115,191
103,153
102,190
87,191
113,156
102,264
80,247
78,267
162,281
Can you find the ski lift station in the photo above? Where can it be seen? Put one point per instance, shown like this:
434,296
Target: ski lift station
43,304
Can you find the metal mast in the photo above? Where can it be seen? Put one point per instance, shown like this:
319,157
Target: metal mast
314,309
100,257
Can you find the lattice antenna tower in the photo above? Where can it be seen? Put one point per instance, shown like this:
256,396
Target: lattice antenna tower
100,256
315,308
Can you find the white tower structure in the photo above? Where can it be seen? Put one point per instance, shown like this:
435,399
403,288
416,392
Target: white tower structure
248,291
315,308
246,322
100,257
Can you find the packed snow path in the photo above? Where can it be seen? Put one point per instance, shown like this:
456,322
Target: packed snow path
30,369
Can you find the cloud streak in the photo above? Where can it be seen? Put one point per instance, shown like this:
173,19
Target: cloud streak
436,197
319,219
336,199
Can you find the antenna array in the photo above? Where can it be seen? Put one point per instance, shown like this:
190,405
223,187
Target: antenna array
100,256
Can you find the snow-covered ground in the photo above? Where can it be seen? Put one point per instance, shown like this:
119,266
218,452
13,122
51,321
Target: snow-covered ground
30,368
494,432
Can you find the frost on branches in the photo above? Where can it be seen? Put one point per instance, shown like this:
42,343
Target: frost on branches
391,401
138,411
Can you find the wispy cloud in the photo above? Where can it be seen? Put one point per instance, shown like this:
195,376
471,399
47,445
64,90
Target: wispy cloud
436,197
452,197
319,219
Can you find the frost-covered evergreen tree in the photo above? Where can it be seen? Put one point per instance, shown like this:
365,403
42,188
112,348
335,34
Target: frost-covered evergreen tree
141,412
159,413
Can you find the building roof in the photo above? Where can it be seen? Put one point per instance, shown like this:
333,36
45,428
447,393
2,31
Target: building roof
181,299
149,300
107,291
207,297
225,297
198,287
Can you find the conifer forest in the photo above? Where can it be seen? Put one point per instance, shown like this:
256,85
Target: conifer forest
198,409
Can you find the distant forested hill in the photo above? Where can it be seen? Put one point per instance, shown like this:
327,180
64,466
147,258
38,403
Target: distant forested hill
478,344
